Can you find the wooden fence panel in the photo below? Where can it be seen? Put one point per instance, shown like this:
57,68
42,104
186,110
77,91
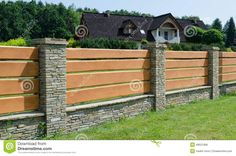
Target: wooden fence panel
77,53
95,65
106,92
94,74
186,69
19,86
19,104
227,67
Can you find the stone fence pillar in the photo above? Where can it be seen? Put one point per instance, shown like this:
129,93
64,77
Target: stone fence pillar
213,71
52,79
158,82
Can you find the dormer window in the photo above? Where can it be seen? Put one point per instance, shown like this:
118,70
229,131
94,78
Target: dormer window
128,27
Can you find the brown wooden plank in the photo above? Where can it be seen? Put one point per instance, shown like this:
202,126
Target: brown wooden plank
19,104
228,54
18,53
14,69
228,77
186,83
189,72
186,63
79,53
96,65
93,79
186,54
227,69
18,86
84,95
227,61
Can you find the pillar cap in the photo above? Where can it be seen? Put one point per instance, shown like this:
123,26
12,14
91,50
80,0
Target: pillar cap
49,41
214,48
157,45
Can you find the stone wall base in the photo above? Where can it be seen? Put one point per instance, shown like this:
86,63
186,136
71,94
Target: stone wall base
32,125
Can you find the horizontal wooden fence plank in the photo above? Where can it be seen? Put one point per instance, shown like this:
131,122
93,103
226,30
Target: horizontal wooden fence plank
227,77
93,79
82,53
186,54
227,69
75,97
186,63
17,69
186,83
228,54
19,104
227,61
18,86
95,65
183,73
18,53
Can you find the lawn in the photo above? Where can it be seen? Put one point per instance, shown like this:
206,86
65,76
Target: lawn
203,120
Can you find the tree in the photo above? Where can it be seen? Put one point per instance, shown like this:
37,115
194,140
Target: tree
217,24
213,36
230,33
191,18
130,13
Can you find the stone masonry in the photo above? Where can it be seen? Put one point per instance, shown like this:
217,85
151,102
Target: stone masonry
52,77
213,71
158,86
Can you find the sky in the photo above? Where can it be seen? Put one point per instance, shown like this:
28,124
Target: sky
207,10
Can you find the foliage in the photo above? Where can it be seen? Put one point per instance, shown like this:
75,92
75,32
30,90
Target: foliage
233,48
217,24
104,43
230,33
36,20
130,13
193,47
198,37
203,119
71,43
14,42
212,36
191,18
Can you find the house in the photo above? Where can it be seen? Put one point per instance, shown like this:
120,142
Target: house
162,29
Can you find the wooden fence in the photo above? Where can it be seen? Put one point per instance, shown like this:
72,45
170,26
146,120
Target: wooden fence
94,74
227,67
186,69
18,79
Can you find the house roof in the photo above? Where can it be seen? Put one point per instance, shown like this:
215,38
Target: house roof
109,25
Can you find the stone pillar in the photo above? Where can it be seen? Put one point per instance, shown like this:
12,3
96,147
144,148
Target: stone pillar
52,79
213,71
158,85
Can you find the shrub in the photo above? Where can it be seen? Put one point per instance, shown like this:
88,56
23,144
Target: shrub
15,42
198,37
212,36
233,48
104,43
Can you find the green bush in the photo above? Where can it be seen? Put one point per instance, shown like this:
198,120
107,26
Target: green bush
213,36
233,48
198,37
104,43
194,47
15,42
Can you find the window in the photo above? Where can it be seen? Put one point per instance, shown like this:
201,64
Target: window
159,34
166,35
129,28
142,32
175,33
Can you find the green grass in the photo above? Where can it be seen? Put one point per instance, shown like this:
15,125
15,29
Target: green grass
207,120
